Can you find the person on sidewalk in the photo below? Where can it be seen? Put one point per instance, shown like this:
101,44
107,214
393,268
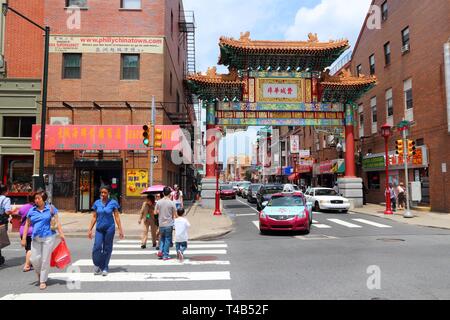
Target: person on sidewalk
177,197
43,218
401,197
23,211
5,212
181,234
148,216
392,195
167,211
106,211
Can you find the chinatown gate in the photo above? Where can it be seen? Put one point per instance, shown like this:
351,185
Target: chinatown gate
280,83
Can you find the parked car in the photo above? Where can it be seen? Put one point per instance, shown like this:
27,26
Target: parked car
241,186
252,191
286,211
227,192
244,191
327,199
291,188
265,194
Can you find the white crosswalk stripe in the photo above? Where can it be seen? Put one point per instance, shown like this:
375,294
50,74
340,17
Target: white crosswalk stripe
319,225
344,223
371,223
200,265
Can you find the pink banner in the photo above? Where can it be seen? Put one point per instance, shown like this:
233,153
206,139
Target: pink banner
86,137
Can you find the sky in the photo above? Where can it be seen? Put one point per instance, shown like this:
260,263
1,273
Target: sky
269,20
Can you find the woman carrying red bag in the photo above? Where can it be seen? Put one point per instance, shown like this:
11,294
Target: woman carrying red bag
44,219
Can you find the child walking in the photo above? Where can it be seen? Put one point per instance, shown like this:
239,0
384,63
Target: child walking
181,234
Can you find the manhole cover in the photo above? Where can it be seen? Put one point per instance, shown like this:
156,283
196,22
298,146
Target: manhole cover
316,237
204,258
391,240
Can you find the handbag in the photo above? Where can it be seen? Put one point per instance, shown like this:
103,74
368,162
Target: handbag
53,223
4,239
60,256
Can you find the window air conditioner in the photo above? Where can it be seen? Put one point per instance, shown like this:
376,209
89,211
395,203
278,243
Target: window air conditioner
405,48
2,63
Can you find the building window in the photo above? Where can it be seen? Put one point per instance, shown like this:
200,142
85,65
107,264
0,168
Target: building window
389,103
407,89
130,4
373,180
72,66
359,70
387,53
76,3
130,67
361,121
373,108
171,23
18,127
372,64
384,10
405,40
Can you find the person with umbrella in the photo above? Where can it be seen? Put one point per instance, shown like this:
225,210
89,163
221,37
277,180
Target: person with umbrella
148,216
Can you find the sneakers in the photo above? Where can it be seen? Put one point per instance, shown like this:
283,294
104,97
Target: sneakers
97,271
154,246
159,254
104,273
157,247
180,256
143,246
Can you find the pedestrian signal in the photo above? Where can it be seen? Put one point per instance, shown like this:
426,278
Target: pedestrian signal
399,147
158,138
146,135
411,148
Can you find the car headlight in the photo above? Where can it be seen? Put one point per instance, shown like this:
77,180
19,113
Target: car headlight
301,214
263,215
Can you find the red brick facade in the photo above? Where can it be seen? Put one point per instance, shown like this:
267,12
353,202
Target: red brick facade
101,83
429,29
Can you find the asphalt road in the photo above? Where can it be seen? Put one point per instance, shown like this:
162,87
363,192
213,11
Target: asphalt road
343,254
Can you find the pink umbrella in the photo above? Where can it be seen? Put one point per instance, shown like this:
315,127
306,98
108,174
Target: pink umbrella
152,189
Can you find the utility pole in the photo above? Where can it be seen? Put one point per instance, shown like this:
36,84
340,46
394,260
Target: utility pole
408,213
152,139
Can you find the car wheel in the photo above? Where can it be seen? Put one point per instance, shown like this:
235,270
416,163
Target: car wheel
307,231
2,260
316,207
263,232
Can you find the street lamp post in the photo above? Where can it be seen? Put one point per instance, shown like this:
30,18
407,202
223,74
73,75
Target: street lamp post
386,133
5,9
217,211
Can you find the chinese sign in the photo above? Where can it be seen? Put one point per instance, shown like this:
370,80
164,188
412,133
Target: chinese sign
295,144
377,162
265,106
88,137
93,44
280,90
374,162
137,182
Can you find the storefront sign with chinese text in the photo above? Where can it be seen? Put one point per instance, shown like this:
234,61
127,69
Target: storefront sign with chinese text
137,182
280,90
295,144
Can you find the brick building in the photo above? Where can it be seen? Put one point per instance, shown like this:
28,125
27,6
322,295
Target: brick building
407,56
21,49
93,81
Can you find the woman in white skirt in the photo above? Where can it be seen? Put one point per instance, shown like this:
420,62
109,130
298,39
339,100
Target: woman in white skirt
43,236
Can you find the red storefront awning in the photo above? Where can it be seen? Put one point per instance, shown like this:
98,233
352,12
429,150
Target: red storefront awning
294,177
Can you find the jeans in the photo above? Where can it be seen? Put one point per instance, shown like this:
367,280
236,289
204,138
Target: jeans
393,204
181,246
103,246
165,240
41,252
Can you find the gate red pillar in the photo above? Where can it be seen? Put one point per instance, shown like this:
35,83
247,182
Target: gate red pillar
350,168
211,146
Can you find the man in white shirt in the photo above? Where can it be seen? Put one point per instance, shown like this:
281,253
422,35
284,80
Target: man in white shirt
181,233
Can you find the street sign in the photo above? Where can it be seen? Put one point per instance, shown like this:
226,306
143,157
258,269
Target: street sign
155,159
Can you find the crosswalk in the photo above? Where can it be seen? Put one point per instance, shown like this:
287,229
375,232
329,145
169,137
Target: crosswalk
203,266
351,224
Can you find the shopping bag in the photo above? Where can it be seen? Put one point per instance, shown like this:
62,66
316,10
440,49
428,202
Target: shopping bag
4,239
60,256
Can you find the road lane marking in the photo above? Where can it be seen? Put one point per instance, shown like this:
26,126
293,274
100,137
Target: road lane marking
248,205
245,214
187,252
191,242
149,263
190,246
378,225
319,225
224,294
143,276
256,223
344,223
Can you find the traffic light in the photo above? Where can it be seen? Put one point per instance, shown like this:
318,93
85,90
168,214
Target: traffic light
399,147
411,148
146,135
158,138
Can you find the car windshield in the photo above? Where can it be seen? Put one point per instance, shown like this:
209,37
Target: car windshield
286,202
326,192
273,189
255,187
226,187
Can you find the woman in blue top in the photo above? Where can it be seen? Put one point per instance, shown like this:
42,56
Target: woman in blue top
43,237
106,211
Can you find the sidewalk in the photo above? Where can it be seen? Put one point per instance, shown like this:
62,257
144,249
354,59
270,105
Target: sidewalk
426,219
204,225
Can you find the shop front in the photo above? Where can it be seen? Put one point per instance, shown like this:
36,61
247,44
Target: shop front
374,170
327,172
302,175
17,176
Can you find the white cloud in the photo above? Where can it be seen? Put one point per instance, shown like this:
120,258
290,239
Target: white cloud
330,19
